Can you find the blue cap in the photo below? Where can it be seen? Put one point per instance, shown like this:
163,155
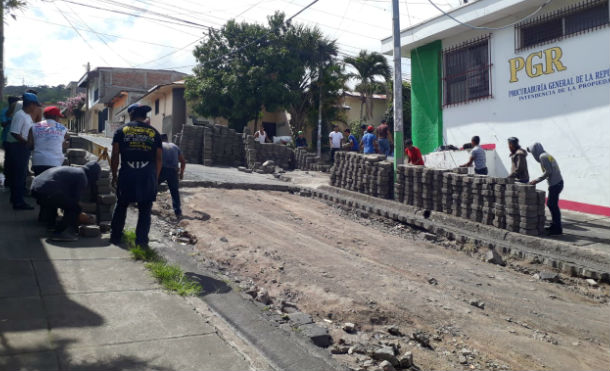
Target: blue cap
31,98
138,108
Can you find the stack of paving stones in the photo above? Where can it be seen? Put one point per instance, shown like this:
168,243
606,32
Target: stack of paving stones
368,174
227,146
105,198
191,143
76,156
524,208
488,200
305,160
256,154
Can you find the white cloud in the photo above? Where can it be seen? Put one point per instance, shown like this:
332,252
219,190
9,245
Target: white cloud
42,53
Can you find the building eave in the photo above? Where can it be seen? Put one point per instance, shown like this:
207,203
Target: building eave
478,13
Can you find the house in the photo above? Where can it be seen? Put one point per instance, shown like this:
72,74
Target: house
352,103
104,84
533,69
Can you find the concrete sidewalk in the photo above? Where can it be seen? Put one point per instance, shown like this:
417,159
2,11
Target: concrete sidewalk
86,305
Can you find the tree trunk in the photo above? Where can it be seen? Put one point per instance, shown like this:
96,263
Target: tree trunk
362,102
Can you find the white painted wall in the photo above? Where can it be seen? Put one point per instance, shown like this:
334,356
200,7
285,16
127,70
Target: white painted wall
453,159
574,126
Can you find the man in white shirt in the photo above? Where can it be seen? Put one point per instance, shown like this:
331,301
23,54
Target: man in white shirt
261,136
335,139
47,139
20,152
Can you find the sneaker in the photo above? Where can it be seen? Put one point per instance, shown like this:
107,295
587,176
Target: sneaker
64,236
23,207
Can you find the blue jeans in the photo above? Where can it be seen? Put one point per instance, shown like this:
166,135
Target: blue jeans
170,176
384,146
553,204
481,171
118,222
18,170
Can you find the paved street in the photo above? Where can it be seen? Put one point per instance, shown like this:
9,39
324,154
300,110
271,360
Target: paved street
87,306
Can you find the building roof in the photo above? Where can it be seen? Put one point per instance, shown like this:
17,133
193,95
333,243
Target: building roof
179,83
95,72
357,94
477,13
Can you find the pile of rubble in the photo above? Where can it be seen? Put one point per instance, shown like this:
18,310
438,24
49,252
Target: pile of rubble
368,174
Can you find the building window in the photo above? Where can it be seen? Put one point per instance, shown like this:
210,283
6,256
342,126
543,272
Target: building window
466,70
578,18
96,95
156,107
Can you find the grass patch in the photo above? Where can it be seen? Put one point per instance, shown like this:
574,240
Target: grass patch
171,277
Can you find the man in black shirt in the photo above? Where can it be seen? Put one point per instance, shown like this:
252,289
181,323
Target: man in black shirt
137,146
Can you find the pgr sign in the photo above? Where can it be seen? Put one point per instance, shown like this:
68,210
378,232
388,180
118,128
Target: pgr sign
543,62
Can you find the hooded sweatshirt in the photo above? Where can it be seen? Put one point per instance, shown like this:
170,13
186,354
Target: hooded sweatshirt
519,166
550,168
67,181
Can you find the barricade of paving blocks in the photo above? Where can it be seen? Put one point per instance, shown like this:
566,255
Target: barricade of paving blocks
524,208
305,160
191,143
368,174
257,153
76,156
222,146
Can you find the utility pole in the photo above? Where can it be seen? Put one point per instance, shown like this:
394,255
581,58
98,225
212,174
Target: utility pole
1,50
319,140
398,119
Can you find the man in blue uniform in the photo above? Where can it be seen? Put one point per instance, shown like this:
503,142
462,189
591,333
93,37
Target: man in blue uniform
137,146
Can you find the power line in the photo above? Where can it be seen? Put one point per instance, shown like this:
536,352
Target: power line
99,33
547,2
81,36
99,37
169,54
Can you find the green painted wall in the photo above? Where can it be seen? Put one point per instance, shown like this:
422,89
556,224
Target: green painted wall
426,98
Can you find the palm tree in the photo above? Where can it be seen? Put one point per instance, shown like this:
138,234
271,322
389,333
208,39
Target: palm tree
369,68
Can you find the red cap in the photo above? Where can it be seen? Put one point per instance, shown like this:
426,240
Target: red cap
370,128
52,111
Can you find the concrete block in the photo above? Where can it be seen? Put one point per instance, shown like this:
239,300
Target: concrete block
318,335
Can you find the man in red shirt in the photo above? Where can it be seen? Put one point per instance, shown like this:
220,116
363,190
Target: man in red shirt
413,153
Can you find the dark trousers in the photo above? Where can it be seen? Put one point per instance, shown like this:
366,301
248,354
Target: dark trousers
39,169
481,171
170,176
48,212
553,204
332,153
384,146
18,170
142,228
7,161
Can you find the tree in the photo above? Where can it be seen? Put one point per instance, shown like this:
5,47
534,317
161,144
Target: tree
242,68
312,53
406,108
369,68
8,6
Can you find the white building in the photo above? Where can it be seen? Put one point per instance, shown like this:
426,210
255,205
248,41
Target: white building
534,69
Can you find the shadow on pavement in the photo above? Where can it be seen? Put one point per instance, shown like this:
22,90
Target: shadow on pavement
210,285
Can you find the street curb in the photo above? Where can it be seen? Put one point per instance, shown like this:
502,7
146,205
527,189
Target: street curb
282,349
567,258
229,185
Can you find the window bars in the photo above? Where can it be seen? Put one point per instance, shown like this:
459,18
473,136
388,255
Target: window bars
466,72
576,19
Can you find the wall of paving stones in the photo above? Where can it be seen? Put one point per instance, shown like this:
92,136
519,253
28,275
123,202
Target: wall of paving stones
257,153
305,160
368,174
489,200
212,145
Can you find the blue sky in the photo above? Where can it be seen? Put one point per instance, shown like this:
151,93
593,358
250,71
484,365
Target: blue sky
42,46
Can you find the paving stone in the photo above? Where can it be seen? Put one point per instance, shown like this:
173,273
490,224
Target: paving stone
300,318
318,335
385,354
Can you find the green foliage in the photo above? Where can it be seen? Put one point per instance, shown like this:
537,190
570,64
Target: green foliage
242,68
369,68
48,95
171,277
406,108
